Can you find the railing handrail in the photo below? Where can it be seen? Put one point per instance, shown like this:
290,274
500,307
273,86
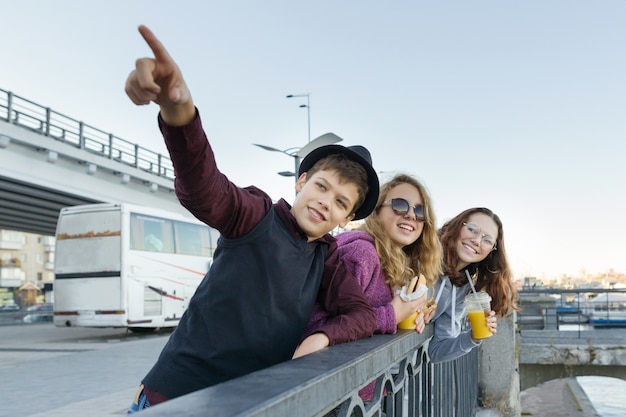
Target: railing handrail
318,383
46,122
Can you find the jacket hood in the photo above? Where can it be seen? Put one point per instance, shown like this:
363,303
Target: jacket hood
353,236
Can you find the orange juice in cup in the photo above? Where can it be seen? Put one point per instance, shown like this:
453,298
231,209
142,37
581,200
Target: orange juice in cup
415,288
477,305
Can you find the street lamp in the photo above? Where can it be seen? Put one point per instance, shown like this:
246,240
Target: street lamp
308,110
293,152
298,153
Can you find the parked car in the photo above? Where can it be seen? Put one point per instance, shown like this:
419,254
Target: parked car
40,307
39,313
10,307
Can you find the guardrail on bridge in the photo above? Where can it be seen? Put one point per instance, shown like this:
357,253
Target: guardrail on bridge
27,114
328,382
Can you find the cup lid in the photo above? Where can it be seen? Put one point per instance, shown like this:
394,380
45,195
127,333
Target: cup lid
479,296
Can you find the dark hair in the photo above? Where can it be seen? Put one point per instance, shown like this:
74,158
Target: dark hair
493,273
349,171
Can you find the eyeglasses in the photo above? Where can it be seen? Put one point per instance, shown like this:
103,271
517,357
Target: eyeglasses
488,241
401,207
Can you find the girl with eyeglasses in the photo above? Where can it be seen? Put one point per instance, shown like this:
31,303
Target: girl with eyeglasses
473,248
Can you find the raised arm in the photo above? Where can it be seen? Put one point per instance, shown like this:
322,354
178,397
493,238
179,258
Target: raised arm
160,80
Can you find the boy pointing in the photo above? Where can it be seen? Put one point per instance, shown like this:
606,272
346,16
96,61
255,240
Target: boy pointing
273,260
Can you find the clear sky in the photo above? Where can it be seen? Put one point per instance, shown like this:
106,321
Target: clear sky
516,106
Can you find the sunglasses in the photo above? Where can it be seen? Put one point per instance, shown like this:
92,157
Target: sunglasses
401,207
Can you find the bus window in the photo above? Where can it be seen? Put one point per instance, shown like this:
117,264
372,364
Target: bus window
151,234
192,239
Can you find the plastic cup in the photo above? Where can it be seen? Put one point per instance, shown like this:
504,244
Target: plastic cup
477,305
408,323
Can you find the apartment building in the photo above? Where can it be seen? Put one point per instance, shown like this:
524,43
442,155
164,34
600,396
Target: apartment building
25,259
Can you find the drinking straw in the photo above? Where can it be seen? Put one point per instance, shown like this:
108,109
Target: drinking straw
471,282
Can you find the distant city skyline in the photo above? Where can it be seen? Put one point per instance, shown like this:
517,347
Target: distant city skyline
518,107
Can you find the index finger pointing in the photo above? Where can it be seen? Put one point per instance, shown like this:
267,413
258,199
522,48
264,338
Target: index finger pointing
159,51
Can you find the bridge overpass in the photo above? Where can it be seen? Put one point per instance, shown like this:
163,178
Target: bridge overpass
49,161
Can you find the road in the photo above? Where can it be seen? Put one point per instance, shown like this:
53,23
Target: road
47,371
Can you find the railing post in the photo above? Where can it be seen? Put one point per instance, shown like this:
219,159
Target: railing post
110,145
136,156
81,136
427,390
551,319
9,106
46,131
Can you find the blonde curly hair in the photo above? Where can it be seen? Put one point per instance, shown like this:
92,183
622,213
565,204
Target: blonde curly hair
422,256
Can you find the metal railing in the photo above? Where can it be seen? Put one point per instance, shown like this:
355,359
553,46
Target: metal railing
327,383
36,118
570,313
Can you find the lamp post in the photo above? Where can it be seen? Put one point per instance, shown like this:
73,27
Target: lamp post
293,152
298,153
308,110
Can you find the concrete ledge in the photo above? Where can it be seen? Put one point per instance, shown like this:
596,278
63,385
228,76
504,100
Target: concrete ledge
580,398
570,354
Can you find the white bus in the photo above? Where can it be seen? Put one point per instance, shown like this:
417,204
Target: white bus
120,265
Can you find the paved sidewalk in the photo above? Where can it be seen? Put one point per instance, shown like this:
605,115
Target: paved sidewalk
72,372
104,406
556,398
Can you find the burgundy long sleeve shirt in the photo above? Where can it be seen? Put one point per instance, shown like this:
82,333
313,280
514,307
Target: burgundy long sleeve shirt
251,309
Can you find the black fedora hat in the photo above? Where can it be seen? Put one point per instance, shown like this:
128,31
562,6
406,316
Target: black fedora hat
355,153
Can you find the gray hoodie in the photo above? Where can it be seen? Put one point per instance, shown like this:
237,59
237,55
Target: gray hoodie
452,337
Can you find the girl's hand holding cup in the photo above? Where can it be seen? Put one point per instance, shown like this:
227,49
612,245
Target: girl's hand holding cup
492,321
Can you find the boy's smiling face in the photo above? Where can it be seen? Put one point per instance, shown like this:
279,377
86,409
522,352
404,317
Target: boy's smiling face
323,203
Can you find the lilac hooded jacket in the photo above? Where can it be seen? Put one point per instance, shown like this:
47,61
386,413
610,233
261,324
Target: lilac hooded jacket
356,249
